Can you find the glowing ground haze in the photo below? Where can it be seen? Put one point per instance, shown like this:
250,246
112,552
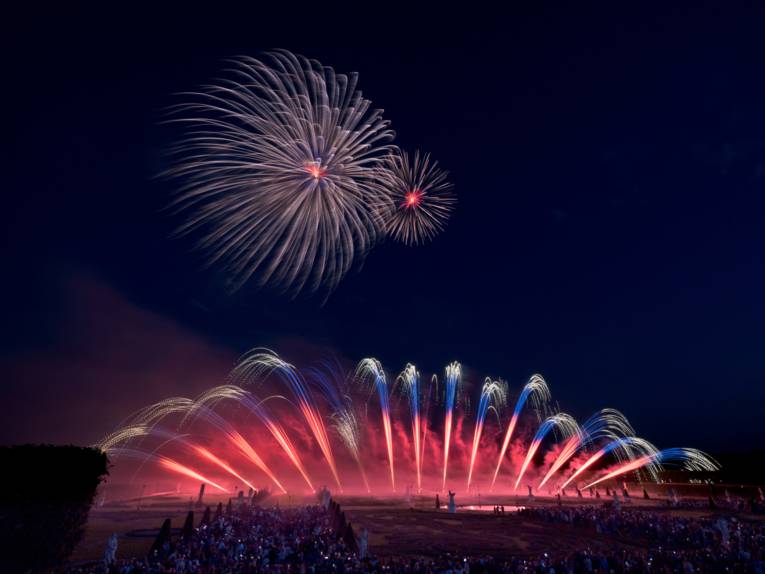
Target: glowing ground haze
273,425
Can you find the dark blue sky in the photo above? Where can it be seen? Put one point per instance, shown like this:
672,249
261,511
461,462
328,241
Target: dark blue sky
610,168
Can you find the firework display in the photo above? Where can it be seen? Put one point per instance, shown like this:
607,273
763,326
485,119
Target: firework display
422,196
287,439
288,175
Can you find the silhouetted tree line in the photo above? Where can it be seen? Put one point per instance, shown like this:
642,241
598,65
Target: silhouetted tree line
46,493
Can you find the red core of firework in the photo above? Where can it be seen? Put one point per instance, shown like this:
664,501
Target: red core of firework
316,171
413,198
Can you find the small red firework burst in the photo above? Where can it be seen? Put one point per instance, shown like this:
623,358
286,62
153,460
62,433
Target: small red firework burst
422,195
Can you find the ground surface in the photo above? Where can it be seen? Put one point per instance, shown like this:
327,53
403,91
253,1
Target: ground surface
394,527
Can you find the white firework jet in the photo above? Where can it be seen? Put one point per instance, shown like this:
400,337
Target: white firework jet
280,170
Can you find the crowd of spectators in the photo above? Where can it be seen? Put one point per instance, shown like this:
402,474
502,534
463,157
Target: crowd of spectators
682,543
316,539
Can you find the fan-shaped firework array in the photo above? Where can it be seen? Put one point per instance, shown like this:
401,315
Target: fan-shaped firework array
289,176
356,430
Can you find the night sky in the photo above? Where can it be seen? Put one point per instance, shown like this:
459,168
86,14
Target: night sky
610,170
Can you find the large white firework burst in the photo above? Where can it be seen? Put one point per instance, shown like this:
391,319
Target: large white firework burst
423,197
280,172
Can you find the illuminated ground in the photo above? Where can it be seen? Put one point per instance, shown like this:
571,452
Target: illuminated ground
394,528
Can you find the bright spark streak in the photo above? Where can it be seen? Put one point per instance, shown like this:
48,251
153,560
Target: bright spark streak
688,458
215,460
566,453
606,423
246,398
176,467
624,469
411,380
453,379
537,390
250,453
372,367
258,364
492,391
565,423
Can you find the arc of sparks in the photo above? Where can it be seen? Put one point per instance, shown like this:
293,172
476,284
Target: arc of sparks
632,447
493,393
453,380
561,422
688,458
238,394
328,376
204,453
606,423
538,392
259,364
410,378
178,468
372,367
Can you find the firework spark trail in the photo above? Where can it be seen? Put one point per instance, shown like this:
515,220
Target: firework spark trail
131,433
148,417
538,392
241,396
199,410
334,386
422,197
347,427
258,364
123,435
630,453
563,423
493,393
606,423
206,454
411,381
163,461
279,171
372,368
630,446
453,380
688,458
177,467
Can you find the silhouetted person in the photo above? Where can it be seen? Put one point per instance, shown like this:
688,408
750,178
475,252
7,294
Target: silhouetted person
645,494
219,512
363,543
110,554
228,508
438,503
201,495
